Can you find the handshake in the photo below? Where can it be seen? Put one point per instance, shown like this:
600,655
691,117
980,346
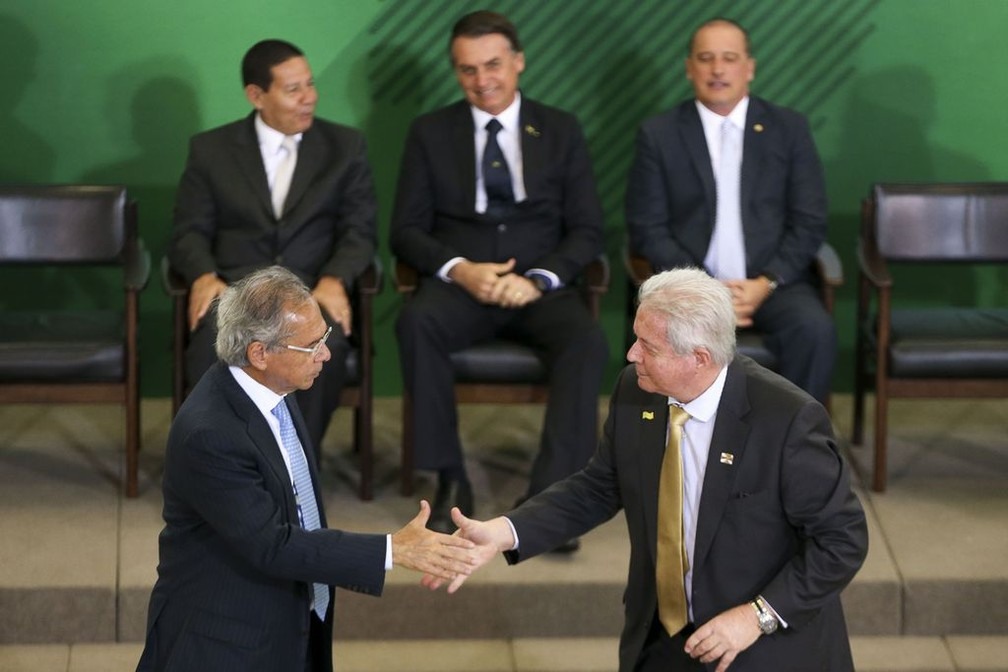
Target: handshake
449,559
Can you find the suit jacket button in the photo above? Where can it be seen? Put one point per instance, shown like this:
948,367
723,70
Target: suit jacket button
501,228
278,260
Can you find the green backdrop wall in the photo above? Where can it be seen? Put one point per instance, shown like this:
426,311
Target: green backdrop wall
109,91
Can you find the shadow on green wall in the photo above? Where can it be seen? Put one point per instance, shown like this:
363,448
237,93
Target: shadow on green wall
161,114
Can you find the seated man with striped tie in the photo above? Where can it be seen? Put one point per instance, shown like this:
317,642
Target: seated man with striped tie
247,560
743,526
497,210
277,187
733,183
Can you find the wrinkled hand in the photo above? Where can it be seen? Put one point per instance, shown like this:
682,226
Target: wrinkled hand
514,291
747,297
441,555
204,290
725,636
489,538
480,279
332,298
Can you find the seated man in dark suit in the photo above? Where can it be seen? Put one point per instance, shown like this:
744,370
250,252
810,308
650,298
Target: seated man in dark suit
734,184
278,187
497,209
246,559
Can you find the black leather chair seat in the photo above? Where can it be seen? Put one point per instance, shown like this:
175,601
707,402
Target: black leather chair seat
750,343
498,361
84,346
949,343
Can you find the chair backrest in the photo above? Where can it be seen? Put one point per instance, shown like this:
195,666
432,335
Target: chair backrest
942,222
46,224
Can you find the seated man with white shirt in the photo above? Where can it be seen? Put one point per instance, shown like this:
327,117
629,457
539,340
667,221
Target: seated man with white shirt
277,187
497,210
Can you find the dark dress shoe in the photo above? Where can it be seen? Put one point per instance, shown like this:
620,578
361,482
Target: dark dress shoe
449,494
568,547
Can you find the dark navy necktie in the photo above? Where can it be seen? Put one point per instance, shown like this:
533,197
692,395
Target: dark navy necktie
496,176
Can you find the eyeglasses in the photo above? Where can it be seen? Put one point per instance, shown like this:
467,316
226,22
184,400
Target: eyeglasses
315,349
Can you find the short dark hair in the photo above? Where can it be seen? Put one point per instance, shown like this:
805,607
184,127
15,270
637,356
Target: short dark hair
261,57
716,20
484,22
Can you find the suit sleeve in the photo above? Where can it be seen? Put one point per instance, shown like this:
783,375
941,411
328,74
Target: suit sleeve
805,227
818,502
354,246
217,473
195,220
648,216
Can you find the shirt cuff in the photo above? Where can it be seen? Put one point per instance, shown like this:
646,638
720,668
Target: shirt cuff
514,533
551,278
448,265
388,552
774,612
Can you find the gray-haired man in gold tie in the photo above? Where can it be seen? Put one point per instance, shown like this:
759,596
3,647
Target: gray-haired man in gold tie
742,523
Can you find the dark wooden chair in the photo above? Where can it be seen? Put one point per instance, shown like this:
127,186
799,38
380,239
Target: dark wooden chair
750,342
357,393
909,351
497,371
65,355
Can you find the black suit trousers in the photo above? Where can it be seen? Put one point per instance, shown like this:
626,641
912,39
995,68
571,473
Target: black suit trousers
442,318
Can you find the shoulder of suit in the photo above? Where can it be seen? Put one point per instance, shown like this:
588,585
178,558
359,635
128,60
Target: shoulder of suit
760,109
332,128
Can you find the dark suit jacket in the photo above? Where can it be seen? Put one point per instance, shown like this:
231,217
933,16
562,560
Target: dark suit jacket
780,521
224,218
558,227
233,591
671,193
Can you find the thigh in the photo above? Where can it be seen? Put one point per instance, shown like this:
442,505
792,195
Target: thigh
551,323
445,313
797,306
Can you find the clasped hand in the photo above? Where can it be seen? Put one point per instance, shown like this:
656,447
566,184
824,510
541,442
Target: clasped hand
495,284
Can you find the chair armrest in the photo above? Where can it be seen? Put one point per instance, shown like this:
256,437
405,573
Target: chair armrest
372,279
596,275
829,266
638,268
870,261
137,265
172,282
405,278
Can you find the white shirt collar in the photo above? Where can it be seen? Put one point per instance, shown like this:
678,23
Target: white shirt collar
269,137
704,407
264,398
710,118
508,118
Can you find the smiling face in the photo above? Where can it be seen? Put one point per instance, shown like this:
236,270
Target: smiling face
720,67
288,105
286,370
487,69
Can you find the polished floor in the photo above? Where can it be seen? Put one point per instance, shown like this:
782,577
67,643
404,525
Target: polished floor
77,560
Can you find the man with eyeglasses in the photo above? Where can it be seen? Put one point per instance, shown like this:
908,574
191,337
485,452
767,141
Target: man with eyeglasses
277,187
246,561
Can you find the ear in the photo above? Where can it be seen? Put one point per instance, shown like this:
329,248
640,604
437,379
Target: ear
254,94
257,355
703,357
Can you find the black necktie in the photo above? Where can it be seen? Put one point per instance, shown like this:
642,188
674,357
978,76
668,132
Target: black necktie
496,176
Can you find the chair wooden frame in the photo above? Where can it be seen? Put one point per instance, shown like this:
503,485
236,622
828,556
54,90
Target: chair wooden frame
594,284
359,397
969,230
53,205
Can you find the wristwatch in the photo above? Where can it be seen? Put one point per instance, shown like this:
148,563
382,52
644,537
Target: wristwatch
772,282
767,621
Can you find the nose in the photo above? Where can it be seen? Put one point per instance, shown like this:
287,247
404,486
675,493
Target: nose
633,354
325,353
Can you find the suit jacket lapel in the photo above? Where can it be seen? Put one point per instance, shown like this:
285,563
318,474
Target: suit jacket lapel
248,159
753,148
533,149
310,161
693,138
730,433
651,441
464,152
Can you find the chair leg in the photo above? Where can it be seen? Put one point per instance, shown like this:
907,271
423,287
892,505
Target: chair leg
406,468
880,474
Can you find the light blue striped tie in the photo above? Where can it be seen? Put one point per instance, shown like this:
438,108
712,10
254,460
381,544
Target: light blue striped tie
303,493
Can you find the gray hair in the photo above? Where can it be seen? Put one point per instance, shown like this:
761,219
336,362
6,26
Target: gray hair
256,308
697,309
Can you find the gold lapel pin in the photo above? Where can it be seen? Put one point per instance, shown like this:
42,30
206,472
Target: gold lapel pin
758,128
647,415
727,458
532,130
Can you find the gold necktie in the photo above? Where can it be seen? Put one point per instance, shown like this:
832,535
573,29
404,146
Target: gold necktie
672,562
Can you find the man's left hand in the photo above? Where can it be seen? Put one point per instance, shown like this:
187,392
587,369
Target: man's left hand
514,291
747,297
332,297
724,636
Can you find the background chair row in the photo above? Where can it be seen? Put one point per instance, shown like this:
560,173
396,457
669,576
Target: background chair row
67,355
